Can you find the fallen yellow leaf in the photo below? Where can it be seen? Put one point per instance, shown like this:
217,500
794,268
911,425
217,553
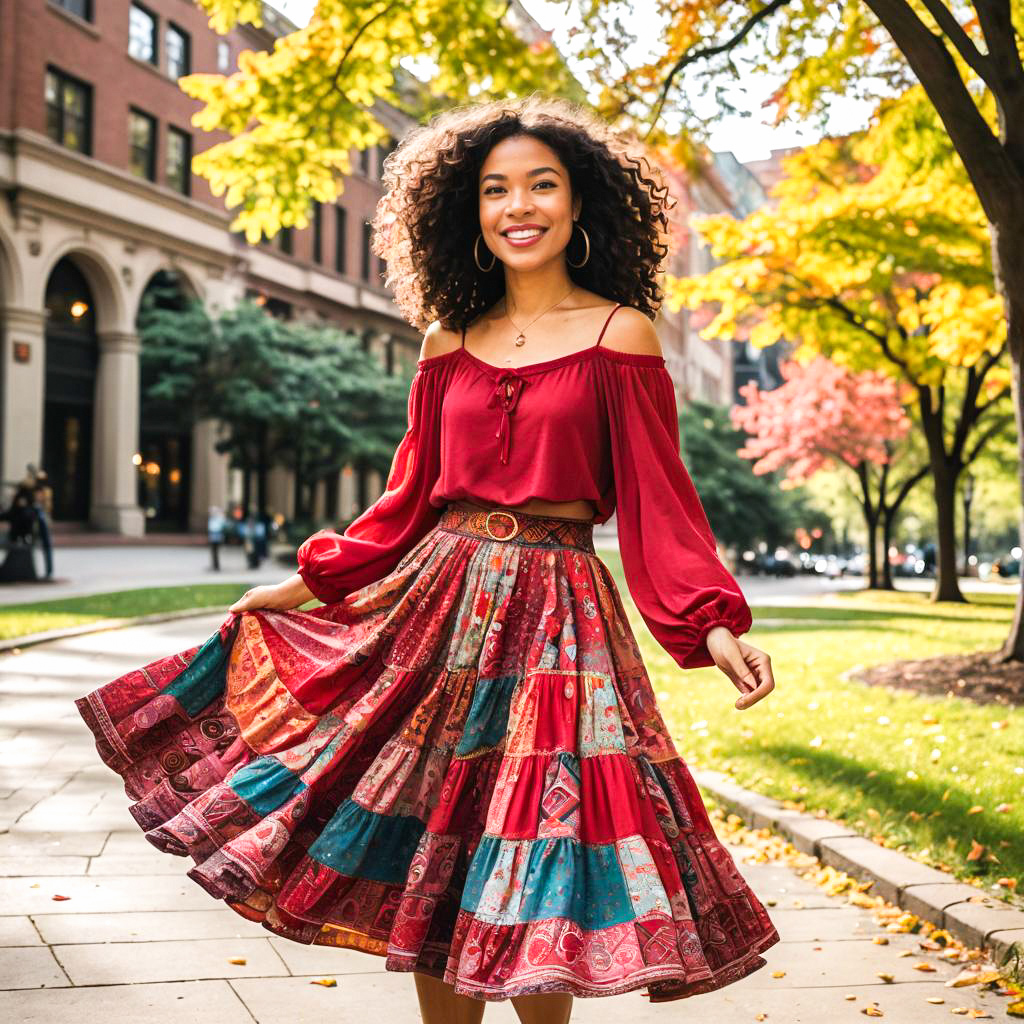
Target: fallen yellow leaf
326,982
872,1011
924,966
887,978
237,960
976,809
881,940
778,974
977,849
936,999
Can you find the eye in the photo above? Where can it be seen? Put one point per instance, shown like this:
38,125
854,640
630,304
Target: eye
551,183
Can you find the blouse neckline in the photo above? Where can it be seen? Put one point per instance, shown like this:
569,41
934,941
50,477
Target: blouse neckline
629,358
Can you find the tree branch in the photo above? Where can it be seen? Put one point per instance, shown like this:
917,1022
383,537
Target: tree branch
712,51
988,165
961,40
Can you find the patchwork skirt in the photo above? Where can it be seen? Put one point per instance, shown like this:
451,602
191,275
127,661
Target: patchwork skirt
460,767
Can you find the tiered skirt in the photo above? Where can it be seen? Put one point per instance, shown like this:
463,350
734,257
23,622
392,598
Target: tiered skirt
460,767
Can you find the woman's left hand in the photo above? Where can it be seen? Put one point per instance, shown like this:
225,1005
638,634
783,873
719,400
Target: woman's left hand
292,593
749,668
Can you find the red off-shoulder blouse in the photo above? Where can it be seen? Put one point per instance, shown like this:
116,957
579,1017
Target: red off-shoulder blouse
596,424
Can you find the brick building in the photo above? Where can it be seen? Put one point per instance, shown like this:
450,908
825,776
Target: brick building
98,204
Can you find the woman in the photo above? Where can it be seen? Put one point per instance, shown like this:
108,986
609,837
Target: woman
457,762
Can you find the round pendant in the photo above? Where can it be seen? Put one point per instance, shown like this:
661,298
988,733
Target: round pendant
520,340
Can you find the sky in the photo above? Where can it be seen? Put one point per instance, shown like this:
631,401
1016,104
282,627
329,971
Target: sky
747,138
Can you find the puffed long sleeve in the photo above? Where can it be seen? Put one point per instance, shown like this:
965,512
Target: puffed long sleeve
332,564
679,584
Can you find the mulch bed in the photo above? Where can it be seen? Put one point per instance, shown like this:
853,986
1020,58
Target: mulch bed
976,676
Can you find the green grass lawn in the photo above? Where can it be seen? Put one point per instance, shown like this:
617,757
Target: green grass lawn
23,619
927,775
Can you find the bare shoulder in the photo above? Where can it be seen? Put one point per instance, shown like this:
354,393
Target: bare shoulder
632,332
438,340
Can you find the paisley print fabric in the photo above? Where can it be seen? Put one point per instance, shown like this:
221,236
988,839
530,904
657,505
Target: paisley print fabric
460,767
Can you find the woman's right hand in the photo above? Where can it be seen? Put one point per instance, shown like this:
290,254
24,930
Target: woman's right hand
292,593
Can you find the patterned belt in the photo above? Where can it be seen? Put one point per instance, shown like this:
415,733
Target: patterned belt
495,523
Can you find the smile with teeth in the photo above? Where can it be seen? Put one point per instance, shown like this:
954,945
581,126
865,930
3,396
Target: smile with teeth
524,233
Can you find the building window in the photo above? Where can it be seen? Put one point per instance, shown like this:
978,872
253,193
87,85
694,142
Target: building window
142,137
364,161
318,232
179,160
284,240
68,111
340,241
142,34
223,56
80,8
365,268
177,45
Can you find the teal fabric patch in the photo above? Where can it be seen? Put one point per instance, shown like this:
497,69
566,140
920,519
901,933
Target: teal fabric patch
549,878
204,679
266,784
487,721
362,844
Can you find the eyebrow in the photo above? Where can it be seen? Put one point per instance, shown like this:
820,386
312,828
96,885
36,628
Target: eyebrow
529,174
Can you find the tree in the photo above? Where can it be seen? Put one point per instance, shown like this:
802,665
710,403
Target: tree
878,260
823,416
295,113
742,507
304,397
966,57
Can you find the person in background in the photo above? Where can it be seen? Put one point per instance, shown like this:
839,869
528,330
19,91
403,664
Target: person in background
43,504
215,524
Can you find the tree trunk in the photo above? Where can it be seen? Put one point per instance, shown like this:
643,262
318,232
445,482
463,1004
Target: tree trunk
1009,266
947,583
945,469
262,470
887,519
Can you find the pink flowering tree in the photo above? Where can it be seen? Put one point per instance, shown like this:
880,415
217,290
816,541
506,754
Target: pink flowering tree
826,417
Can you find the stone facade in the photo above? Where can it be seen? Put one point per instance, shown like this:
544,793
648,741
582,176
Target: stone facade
119,229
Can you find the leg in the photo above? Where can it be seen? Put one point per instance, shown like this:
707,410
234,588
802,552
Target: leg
543,1008
440,1005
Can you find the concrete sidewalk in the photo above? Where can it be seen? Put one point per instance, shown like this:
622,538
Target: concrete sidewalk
135,940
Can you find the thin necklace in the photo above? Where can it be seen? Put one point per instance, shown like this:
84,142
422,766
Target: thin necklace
521,337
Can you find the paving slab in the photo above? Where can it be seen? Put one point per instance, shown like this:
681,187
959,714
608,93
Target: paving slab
145,926
30,842
120,963
900,1004
30,867
30,967
190,1001
359,998
94,895
18,931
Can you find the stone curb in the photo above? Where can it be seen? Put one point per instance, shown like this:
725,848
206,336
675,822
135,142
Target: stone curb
101,626
963,910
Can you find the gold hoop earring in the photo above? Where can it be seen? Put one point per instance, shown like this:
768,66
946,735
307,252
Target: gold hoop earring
476,258
586,239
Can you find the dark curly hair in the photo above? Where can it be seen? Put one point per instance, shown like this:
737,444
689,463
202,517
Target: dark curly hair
428,219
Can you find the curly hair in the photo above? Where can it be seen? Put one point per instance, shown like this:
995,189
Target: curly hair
427,221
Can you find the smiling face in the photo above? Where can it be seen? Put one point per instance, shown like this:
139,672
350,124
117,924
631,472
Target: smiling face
523,182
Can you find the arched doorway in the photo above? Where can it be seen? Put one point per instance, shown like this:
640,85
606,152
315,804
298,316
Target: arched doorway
72,358
165,433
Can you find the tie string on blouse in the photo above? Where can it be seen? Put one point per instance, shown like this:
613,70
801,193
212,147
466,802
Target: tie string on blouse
508,385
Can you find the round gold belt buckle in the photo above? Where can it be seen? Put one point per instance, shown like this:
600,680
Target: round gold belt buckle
515,525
